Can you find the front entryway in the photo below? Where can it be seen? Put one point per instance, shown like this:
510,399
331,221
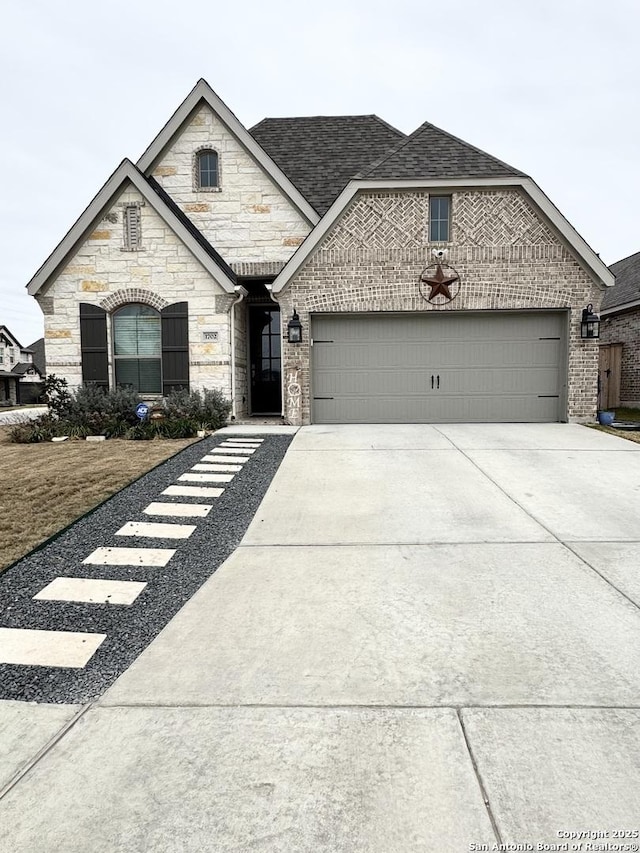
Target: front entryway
265,360
444,367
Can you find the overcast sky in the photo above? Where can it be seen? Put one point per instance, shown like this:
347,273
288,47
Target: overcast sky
551,87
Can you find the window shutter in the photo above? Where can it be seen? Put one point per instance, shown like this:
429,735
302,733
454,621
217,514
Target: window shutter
93,344
175,347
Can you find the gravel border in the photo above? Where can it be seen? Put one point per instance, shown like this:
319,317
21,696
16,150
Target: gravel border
129,630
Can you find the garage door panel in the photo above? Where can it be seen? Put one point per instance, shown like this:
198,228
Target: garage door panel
441,367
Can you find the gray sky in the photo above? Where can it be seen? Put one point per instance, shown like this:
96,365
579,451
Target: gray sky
551,87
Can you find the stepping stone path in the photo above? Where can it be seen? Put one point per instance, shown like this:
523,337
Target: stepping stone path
74,649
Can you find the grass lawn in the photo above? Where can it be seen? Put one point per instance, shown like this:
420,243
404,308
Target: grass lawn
46,486
622,414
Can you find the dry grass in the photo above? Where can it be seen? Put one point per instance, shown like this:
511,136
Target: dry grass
46,486
621,433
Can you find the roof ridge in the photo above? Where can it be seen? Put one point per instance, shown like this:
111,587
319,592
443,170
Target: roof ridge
385,123
470,145
626,258
396,148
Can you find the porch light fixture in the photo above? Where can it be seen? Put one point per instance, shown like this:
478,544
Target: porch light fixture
294,329
590,325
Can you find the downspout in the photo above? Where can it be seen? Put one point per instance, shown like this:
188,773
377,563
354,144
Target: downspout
242,292
269,289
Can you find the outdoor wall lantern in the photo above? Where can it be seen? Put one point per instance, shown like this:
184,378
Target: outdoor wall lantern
590,326
294,329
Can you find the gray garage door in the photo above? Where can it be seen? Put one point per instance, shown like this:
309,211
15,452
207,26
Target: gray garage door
438,368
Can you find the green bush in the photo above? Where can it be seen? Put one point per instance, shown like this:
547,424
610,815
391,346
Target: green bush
92,410
208,410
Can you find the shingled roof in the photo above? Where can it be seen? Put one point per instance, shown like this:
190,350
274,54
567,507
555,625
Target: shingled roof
432,153
320,154
192,228
627,286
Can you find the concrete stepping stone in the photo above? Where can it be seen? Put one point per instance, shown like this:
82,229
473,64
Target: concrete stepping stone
239,459
156,530
237,444
179,510
193,491
130,556
220,468
206,478
234,450
91,591
48,648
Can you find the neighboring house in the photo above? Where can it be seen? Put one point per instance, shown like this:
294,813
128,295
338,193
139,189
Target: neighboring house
20,378
428,280
39,356
620,336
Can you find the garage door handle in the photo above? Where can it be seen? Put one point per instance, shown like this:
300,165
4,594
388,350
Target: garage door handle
432,381
438,384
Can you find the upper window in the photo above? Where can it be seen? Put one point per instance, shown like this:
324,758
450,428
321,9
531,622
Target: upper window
137,348
439,218
207,170
1,354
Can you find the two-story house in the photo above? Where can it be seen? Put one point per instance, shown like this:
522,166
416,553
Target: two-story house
20,377
329,269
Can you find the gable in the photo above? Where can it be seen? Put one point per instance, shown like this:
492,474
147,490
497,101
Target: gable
248,217
101,212
8,340
491,213
100,266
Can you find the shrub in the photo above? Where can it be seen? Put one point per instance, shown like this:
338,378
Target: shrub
43,428
208,410
143,431
56,394
176,428
92,410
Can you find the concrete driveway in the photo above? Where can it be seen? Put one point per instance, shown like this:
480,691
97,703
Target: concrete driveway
428,640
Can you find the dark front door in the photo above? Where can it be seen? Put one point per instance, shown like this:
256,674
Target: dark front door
265,360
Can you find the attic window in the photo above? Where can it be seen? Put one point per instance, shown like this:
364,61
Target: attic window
439,218
207,173
132,236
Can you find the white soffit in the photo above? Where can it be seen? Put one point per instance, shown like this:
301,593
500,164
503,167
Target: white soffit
202,92
590,260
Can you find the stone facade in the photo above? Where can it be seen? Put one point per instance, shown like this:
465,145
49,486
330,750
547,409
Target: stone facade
247,218
162,271
624,328
506,255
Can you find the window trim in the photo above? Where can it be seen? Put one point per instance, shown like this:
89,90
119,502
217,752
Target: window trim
197,154
433,221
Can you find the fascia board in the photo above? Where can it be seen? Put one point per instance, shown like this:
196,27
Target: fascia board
125,172
203,92
618,309
596,266
15,342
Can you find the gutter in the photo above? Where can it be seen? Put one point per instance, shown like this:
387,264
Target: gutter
242,292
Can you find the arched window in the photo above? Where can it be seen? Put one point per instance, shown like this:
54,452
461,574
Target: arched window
137,348
207,170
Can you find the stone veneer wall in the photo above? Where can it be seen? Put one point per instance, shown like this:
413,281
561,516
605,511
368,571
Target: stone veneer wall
624,329
247,219
506,255
163,271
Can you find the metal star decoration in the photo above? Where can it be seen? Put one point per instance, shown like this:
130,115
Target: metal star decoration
439,284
